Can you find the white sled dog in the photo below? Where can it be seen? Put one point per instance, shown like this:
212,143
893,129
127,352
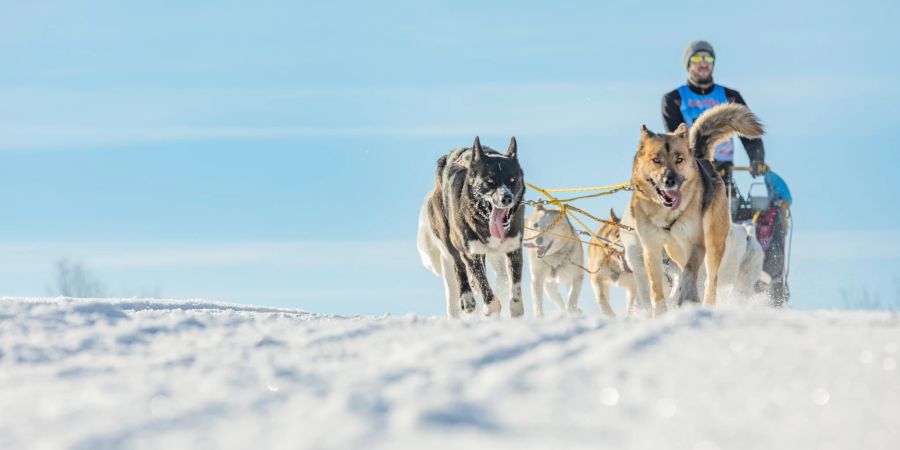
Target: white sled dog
475,215
742,263
554,257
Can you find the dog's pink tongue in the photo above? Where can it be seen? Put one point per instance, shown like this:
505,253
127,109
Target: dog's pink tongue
676,198
497,230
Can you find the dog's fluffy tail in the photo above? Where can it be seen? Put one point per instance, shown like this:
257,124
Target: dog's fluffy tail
720,123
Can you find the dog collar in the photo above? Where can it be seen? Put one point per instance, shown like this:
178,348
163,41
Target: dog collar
669,228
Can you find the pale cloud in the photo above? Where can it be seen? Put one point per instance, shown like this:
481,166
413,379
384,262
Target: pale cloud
324,276
67,118
846,246
381,255
48,119
39,257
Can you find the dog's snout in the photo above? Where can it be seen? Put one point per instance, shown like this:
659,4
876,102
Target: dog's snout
539,241
507,199
670,179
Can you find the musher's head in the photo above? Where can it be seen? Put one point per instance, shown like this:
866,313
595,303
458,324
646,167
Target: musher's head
700,59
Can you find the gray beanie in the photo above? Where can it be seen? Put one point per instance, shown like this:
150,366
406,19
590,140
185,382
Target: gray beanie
694,47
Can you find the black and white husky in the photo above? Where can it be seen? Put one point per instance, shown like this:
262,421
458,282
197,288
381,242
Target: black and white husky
475,214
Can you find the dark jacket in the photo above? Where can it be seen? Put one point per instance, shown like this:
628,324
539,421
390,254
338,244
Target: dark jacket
671,111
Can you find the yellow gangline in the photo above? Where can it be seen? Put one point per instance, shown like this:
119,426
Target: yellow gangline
567,209
596,188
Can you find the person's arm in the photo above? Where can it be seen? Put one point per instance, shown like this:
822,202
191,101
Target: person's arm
671,110
754,147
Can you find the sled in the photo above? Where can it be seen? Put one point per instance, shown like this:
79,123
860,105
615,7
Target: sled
767,206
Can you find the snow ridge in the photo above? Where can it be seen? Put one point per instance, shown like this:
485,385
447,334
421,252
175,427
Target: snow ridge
144,373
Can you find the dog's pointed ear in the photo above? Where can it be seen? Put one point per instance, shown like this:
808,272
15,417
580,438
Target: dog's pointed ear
646,133
511,152
477,151
681,131
613,216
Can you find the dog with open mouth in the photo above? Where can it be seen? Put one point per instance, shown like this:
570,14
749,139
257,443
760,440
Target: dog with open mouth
474,216
555,256
606,261
679,202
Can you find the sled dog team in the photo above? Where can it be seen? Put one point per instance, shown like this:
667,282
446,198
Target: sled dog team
676,229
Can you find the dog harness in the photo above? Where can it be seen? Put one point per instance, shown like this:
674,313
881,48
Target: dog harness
693,105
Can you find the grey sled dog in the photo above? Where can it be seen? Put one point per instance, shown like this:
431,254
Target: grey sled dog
473,215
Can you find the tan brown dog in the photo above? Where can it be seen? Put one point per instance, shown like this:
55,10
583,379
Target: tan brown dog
606,260
679,203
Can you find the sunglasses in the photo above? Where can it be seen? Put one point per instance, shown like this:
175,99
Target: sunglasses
708,58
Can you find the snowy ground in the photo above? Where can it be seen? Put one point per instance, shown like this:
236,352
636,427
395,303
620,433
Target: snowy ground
169,374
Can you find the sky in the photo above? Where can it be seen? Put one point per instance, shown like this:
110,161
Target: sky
277,152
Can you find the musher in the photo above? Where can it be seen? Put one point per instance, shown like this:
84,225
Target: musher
684,105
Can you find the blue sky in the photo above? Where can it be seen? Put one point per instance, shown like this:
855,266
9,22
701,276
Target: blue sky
277,152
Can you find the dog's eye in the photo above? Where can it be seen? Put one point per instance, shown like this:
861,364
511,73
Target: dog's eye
657,160
512,180
679,160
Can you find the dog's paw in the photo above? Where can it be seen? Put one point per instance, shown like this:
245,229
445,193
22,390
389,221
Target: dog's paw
467,303
517,308
607,311
574,310
660,309
492,308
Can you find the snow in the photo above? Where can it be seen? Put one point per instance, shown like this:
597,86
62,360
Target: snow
95,374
